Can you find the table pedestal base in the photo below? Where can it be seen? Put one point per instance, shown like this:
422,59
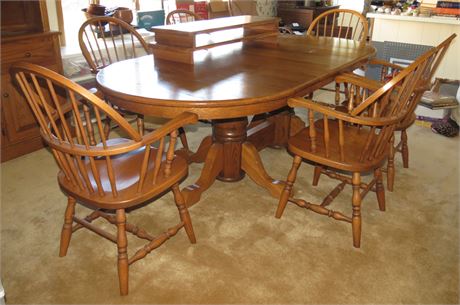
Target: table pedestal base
233,151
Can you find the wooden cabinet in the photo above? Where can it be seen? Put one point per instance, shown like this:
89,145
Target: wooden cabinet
301,14
25,37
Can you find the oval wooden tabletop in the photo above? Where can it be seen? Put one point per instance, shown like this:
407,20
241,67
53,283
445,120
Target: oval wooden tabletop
232,80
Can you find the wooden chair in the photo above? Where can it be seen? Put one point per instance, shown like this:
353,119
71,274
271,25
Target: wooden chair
111,176
388,72
181,16
356,142
341,23
105,40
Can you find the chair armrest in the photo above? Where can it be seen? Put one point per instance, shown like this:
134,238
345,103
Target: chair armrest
334,114
172,125
363,82
380,62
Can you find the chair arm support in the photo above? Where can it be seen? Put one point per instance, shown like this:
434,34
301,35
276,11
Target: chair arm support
125,146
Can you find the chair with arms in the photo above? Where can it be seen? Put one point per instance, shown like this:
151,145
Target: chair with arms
388,72
105,40
181,16
356,142
111,176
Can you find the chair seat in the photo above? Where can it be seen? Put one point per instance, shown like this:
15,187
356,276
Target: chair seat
127,170
300,144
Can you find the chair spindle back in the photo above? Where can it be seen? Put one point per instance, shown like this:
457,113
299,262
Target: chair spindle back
341,23
378,113
71,123
105,40
181,16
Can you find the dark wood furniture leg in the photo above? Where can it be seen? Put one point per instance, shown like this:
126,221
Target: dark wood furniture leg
231,134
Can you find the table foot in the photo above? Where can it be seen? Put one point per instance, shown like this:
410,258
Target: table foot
202,151
200,155
252,165
213,165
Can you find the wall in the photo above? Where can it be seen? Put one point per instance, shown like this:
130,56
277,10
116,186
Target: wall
356,5
423,31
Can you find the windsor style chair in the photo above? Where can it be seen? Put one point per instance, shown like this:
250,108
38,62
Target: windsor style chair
388,72
105,40
108,175
356,142
181,16
341,23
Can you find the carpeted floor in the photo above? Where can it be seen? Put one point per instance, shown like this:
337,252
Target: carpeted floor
409,254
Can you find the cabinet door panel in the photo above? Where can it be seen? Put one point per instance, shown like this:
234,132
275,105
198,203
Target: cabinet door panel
17,114
42,52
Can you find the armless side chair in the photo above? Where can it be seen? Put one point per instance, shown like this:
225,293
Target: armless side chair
181,16
343,146
111,176
342,23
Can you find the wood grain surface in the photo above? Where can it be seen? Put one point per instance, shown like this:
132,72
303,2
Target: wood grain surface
231,80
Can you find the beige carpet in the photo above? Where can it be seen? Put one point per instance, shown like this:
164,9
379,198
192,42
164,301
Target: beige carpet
409,254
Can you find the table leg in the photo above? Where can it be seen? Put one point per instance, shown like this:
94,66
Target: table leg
202,151
200,155
231,134
213,165
252,165
232,154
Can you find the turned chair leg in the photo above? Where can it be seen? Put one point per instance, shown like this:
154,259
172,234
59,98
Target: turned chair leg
107,126
404,149
122,245
346,92
288,186
356,216
316,175
391,165
379,189
183,138
140,124
337,94
183,213
66,232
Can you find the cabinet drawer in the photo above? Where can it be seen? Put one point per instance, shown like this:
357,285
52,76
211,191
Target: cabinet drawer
36,50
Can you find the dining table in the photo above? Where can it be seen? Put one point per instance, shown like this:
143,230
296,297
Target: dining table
242,89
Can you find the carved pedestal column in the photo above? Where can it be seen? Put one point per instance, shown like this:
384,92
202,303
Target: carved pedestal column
231,134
